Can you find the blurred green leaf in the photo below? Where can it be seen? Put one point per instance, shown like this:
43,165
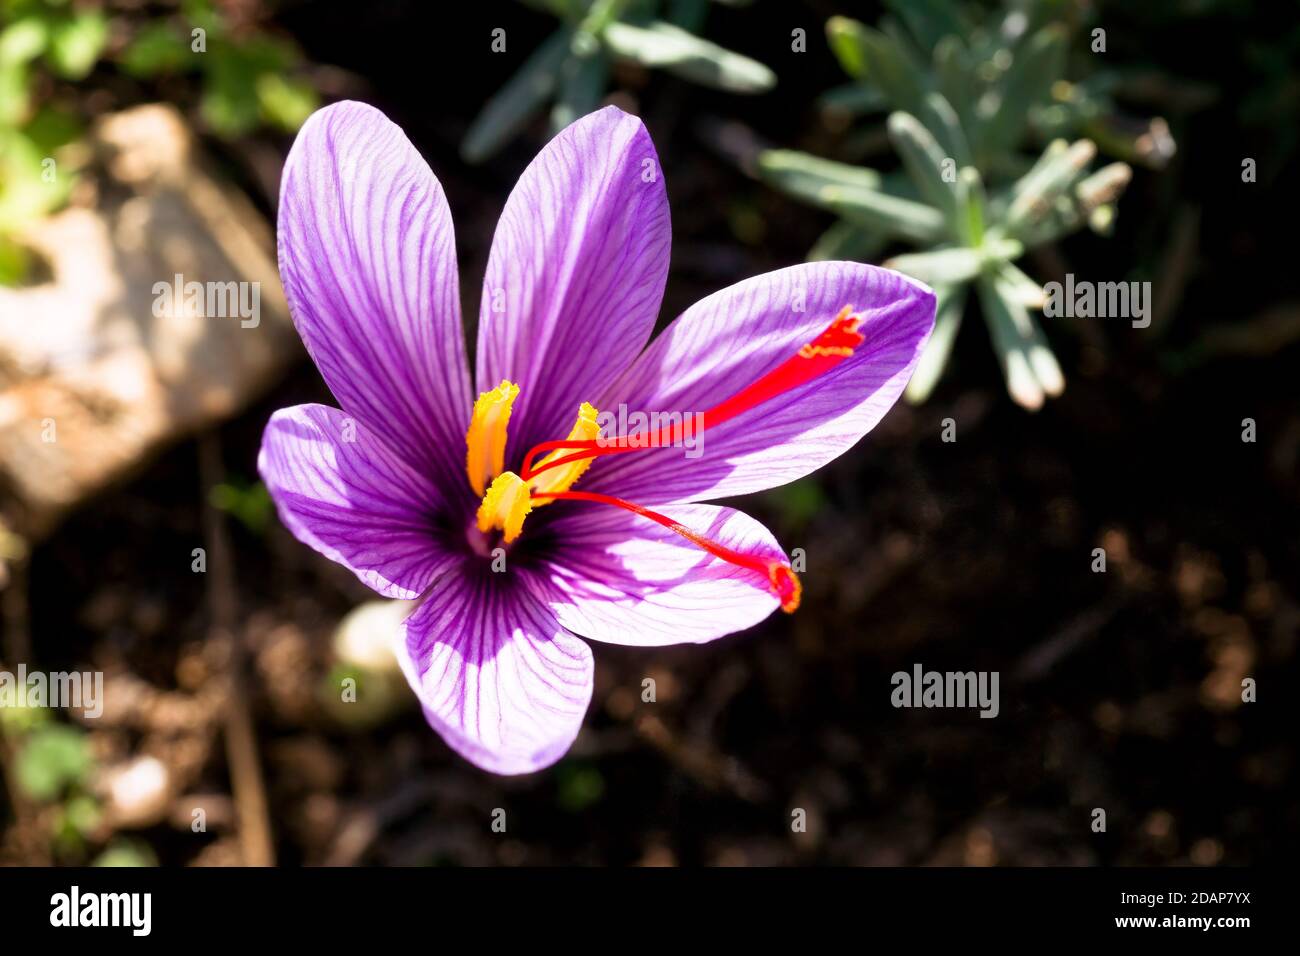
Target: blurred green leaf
19,720
844,37
950,304
249,504
230,103
929,20
847,241
1030,368
581,89
76,43
904,44
23,41
1042,361
258,55
950,266
82,813
864,51
1088,201
51,129
14,101
14,263
1004,111
25,193
578,786
807,177
158,48
596,16
1033,195
971,214
799,502
1020,287
510,108
671,48
890,213
285,102
926,163
52,758
127,852
853,100
944,124
201,13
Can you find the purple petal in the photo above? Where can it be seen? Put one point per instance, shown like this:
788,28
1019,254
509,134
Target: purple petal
368,260
576,273
502,683
618,577
342,491
725,342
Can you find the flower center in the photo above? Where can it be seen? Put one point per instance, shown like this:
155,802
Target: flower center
509,497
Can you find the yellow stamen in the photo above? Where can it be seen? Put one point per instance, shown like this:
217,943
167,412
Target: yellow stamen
486,439
505,506
562,479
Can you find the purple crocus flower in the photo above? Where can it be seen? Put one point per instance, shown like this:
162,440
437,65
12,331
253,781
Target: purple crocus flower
424,492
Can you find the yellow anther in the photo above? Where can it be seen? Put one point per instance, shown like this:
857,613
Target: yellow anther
505,506
486,439
563,478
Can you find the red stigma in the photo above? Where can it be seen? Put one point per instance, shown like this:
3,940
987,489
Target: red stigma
779,577
831,347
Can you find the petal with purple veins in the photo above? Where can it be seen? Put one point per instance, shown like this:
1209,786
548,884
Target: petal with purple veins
503,684
368,261
342,491
618,577
726,341
576,273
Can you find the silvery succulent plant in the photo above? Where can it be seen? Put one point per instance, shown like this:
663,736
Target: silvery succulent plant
966,195
570,69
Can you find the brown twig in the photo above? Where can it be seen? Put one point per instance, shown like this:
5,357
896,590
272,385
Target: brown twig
701,761
1036,663
252,814
366,824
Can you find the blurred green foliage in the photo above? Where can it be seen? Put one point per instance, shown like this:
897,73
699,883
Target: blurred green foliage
246,79
127,852
967,96
38,37
53,764
1275,92
53,757
1005,73
578,786
570,69
249,503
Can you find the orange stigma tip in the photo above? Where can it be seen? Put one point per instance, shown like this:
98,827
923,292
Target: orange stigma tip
786,585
